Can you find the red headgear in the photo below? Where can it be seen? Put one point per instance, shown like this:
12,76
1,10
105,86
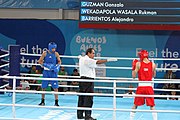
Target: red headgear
143,54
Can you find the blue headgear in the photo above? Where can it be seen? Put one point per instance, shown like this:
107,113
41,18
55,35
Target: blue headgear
51,46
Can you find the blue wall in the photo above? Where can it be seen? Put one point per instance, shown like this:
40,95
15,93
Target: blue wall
34,35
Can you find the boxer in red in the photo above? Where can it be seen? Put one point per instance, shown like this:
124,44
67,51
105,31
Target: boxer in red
146,70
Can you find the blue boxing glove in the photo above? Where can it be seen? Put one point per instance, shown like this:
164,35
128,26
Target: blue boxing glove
48,66
56,68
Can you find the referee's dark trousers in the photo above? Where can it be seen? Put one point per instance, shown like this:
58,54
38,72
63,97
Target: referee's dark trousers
84,100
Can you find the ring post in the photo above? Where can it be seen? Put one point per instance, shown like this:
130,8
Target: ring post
14,98
114,100
14,63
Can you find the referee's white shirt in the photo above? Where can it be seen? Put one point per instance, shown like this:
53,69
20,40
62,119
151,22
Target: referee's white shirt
87,67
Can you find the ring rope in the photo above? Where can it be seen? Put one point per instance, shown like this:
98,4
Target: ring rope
124,58
87,80
110,88
29,54
89,94
59,93
101,109
4,85
4,60
119,88
5,55
5,70
119,58
6,74
105,78
4,65
75,86
5,50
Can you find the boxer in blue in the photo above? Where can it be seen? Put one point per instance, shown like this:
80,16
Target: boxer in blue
50,61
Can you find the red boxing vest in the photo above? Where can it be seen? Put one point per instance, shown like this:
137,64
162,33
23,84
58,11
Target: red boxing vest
145,72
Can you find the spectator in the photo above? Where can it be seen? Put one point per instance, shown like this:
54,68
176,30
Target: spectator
62,72
130,92
173,93
33,71
74,83
169,75
178,88
24,85
75,72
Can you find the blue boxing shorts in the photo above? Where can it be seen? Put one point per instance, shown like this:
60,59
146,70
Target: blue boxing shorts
49,74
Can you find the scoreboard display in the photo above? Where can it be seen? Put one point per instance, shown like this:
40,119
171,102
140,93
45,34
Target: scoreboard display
130,14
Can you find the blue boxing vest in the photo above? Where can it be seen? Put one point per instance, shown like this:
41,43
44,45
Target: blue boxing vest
50,58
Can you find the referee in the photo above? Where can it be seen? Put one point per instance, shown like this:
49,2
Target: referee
87,66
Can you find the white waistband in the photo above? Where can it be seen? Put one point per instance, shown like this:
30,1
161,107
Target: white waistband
45,68
145,84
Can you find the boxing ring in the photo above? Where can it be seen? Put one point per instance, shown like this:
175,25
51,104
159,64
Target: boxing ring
23,104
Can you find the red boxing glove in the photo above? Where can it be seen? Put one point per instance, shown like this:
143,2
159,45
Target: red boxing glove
134,64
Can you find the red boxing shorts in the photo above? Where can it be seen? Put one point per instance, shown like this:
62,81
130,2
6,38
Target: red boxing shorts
144,90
